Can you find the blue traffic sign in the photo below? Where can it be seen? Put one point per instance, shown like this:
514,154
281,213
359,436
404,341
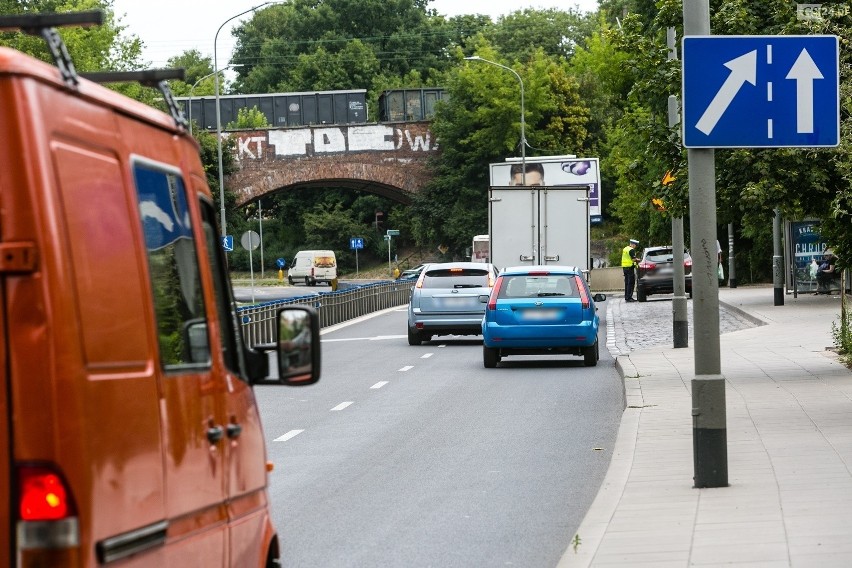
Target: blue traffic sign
228,243
356,243
760,91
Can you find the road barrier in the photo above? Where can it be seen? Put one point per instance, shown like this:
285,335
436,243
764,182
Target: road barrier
258,321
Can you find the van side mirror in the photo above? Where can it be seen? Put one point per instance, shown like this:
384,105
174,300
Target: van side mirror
298,345
294,358
599,297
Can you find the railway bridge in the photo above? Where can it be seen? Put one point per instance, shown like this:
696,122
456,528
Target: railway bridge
388,159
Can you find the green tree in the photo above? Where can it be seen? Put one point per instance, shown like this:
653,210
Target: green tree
480,124
249,117
96,48
556,32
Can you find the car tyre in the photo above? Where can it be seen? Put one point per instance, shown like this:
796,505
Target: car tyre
290,280
414,337
590,355
641,295
490,357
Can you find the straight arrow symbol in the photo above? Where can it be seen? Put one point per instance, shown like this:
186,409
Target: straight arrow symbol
804,71
743,68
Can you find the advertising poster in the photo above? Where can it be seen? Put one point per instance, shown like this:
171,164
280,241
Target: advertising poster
805,245
552,171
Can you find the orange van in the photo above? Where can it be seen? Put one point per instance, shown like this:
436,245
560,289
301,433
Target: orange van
130,434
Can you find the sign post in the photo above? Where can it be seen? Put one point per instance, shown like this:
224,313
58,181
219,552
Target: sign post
356,243
250,241
390,234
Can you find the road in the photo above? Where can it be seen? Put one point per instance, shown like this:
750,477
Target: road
419,456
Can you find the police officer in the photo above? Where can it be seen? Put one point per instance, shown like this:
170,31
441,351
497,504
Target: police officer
629,258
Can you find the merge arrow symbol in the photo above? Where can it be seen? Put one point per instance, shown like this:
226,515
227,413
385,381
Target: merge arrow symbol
743,68
804,71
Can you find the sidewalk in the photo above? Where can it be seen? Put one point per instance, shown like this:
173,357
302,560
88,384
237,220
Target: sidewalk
789,444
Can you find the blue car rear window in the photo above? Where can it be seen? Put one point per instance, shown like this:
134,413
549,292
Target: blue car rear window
522,286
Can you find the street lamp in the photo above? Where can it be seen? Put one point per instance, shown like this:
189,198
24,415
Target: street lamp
523,133
219,114
192,88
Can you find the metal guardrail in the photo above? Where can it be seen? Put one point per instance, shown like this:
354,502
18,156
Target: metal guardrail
258,321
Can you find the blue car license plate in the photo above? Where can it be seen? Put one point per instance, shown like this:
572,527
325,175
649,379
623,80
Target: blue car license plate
539,314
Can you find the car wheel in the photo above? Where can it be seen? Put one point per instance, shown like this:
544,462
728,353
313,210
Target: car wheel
290,280
490,357
414,337
641,295
590,355
310,282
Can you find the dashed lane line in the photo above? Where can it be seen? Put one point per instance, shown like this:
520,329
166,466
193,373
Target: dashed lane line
342,405
288,435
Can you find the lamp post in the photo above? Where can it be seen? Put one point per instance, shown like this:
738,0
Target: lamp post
523,129
219,115
192,88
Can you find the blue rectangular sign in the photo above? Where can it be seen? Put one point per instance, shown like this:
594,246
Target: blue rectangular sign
760,91
228,243
356,243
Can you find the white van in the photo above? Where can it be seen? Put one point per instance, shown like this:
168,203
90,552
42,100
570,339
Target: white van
312,267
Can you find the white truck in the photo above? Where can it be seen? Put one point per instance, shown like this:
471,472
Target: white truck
542,224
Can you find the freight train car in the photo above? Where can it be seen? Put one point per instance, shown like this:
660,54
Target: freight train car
281,109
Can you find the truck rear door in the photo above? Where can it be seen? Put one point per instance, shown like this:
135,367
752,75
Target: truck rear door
564,222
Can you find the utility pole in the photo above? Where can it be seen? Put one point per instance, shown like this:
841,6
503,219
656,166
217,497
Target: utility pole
680,315
709,429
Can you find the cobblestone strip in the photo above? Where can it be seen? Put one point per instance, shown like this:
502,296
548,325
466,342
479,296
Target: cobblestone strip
639,325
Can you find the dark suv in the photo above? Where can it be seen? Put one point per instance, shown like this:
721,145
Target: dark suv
655,274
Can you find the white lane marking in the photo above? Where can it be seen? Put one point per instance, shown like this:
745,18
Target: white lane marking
379,385
442,346
406,368
288,435
378,337
341,406
426,356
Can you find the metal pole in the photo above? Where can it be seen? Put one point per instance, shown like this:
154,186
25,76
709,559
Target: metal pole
222,221
260,222
709,430
680,315
732,271
777,260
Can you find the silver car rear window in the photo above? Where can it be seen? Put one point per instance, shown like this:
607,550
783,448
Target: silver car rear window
456,278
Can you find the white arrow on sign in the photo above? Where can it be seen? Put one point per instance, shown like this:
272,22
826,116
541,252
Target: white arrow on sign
743,68
804,71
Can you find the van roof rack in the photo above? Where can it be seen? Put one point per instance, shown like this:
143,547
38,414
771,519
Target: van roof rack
45,25
157,78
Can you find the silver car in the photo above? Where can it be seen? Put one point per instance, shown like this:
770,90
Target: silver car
445,300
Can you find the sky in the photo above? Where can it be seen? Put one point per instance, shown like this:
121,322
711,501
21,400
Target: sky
170,27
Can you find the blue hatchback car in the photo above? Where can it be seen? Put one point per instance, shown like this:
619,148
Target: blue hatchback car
540,310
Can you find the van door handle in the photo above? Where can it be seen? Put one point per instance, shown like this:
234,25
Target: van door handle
234,430
215,433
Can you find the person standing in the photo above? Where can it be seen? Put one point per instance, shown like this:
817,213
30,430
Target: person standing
629,258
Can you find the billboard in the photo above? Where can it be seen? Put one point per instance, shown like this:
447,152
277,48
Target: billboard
553,171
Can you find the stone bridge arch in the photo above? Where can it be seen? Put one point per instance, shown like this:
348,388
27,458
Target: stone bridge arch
386,159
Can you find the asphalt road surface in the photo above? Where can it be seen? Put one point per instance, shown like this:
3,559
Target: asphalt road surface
419,456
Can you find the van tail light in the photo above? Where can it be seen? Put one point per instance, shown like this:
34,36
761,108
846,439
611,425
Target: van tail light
584,294
687,263
492,300
48,531
645,265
